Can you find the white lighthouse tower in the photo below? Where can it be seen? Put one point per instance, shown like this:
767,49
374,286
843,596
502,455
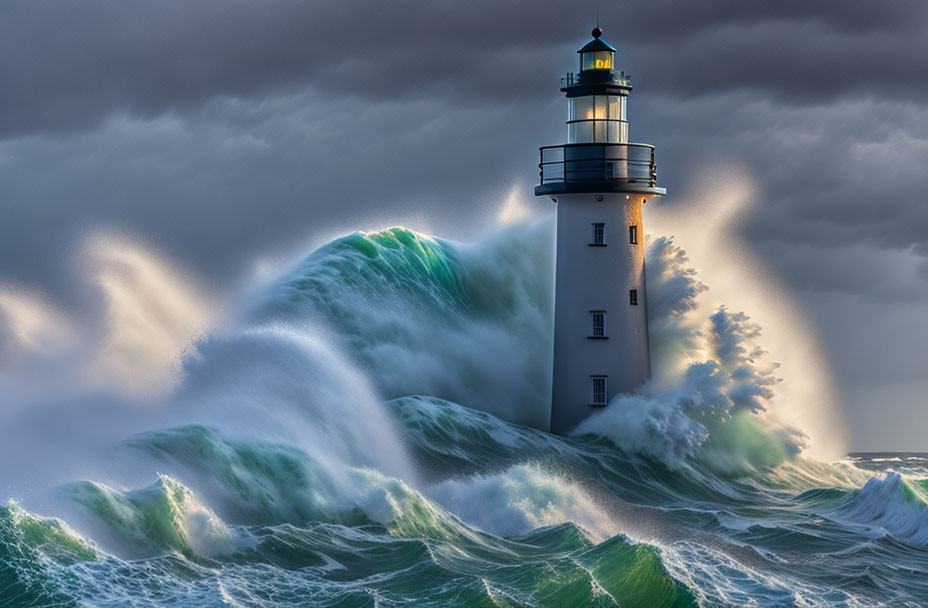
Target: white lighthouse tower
599,182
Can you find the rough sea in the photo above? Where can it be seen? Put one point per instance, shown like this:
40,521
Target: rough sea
358,432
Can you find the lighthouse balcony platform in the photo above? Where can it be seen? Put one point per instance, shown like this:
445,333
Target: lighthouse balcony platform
598,168
596,77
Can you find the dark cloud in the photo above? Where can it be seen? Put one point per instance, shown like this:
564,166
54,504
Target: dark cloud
234,179
66,65
845,173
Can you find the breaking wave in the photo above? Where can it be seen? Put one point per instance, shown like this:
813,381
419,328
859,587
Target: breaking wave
409,308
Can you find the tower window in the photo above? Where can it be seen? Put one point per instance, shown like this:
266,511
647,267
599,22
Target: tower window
598,390
633,297
598,324
633,235
599,234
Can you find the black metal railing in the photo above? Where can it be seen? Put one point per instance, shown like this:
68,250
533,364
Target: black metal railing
619,78
630,163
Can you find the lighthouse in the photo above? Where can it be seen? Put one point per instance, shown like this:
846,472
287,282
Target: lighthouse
599,182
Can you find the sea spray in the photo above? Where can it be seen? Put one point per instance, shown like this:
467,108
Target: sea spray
256,383
523,498
710,226
673,292
153,313
272,383
31,328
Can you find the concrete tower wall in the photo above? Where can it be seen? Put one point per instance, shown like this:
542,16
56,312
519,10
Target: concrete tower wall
597,278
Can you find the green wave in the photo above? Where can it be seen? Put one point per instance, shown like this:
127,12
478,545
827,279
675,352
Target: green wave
257,482
162,517
550,567
32,552
409,531
420,314
396,262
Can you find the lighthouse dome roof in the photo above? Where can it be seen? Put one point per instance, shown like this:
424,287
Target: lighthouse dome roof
597,43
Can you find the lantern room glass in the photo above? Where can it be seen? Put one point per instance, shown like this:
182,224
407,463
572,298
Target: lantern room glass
597,118
597,60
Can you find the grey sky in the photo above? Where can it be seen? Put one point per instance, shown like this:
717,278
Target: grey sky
226,130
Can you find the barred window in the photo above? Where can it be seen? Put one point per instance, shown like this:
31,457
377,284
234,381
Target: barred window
599,390
598,324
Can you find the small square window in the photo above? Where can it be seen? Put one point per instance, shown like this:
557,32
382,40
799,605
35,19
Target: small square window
598,390
633,235
633,297
599,234
598,324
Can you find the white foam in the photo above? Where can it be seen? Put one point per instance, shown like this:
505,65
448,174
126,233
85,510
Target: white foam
520,499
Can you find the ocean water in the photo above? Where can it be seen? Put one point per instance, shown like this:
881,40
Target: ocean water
358,432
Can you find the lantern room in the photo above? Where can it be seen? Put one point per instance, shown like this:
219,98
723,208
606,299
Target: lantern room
597,98
597,54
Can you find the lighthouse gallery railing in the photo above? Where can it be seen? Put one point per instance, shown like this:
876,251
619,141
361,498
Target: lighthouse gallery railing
632,163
